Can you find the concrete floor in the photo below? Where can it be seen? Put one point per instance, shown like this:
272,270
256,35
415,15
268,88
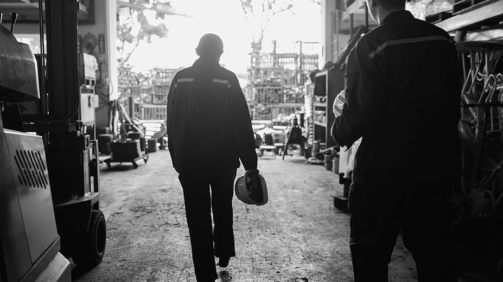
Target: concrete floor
298,236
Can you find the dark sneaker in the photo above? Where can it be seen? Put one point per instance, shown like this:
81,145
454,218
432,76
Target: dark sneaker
223,261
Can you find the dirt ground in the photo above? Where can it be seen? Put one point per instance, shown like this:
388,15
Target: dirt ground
297,236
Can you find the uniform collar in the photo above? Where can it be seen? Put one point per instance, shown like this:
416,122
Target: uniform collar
205,63
397,16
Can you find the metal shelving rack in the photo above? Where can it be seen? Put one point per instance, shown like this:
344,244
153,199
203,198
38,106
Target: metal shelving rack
482,16
481,62
328,84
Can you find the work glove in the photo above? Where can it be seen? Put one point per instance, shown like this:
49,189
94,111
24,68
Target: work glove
339,102
252,177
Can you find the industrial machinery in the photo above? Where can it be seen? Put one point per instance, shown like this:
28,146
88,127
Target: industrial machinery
29,241
50,195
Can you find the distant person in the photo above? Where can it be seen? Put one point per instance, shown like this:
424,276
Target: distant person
258,140
209,130
294,135
402,95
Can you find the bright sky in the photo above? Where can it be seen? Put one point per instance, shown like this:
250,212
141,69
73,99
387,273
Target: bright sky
224,18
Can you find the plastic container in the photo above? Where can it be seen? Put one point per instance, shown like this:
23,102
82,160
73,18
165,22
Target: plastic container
125,151
152,145
328,162
104,141
335,165
307,152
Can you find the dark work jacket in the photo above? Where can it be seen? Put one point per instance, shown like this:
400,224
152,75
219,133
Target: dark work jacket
403,92
208,121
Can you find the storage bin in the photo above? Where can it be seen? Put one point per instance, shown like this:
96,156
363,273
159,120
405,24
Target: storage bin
104,141
152,145
128,150
335,165
328,161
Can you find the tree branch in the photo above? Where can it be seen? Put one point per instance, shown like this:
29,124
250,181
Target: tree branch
247,19
269,9
132,51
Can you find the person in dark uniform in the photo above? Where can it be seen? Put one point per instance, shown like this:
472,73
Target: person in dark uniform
209,131
402,97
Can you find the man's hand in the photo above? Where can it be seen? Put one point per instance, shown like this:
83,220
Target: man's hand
252,177
251,174
339,102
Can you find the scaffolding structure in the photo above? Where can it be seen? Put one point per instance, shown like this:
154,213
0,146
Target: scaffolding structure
147,100
277,76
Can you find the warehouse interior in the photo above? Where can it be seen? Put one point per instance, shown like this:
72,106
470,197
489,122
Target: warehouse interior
69,113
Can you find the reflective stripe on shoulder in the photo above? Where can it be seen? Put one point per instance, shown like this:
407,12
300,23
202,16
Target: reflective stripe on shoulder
188,79
222,81
407,40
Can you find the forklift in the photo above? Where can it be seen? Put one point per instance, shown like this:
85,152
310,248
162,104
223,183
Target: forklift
49,165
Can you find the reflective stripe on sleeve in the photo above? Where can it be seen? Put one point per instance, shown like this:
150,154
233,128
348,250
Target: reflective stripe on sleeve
408,40
222,81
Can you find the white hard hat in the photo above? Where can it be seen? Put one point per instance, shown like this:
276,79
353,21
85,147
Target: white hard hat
248,194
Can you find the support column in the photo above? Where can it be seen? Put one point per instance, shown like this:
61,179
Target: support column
62,63
327,31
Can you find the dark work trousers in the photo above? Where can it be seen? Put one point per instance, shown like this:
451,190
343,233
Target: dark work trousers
420,211
208,242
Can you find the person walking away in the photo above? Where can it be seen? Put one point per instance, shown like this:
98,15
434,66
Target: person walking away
402,96
209,131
